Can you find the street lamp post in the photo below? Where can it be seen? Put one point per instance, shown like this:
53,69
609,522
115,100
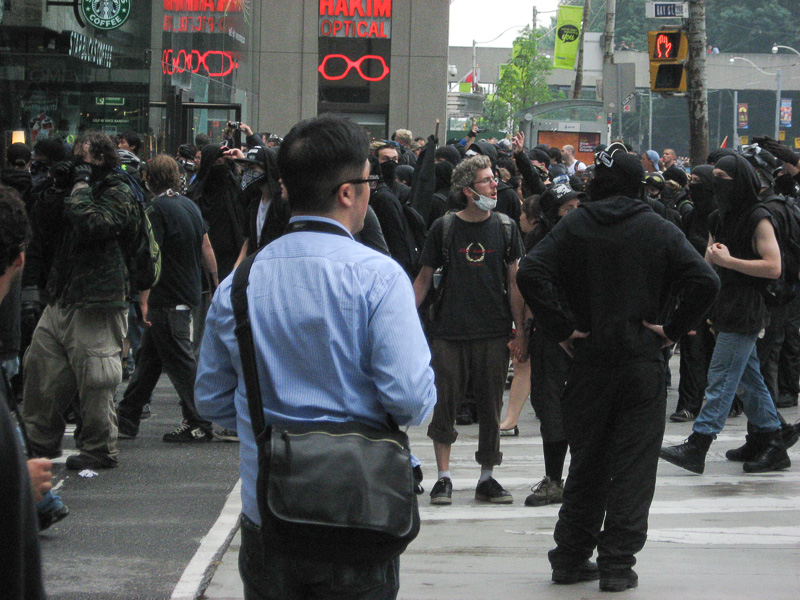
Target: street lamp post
778,76
776,46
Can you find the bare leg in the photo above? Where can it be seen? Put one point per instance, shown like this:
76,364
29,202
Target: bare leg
518,394
442,453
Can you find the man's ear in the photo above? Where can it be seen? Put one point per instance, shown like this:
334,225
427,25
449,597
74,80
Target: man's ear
346,195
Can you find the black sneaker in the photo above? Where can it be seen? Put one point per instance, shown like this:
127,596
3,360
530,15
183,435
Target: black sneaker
682,416
127,428
786,401
464,416
79,462
491,491
225,435
618,581
789,435
187,434
442,492
146,412
588,571
50,517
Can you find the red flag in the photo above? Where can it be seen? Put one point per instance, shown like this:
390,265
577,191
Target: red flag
468,78
724,143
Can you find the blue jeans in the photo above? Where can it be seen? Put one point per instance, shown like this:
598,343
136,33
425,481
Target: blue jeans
268,574
735,362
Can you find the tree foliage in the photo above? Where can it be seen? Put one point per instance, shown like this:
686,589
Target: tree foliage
730,26
522,82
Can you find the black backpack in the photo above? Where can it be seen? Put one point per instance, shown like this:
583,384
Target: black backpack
790,249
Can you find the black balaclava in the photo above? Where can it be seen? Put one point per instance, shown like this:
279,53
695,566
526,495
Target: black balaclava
389,173
717,154
623,178
737,195
443,172
213,179
702,192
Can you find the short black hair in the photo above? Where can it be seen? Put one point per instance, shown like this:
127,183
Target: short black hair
14,229
201,139
133,139
51,148
318,154
18,155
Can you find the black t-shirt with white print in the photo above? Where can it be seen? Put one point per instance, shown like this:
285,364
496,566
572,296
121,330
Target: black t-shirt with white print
474,298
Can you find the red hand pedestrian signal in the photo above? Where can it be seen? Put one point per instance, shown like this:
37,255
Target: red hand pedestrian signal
336,66
664,46
215,63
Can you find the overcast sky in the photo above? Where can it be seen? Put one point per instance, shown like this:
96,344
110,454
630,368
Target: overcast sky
482,20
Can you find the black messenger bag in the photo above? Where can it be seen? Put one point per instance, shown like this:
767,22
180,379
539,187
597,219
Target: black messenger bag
334,492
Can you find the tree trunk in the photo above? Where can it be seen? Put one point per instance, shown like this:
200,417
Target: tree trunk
608,32
576,92
696,92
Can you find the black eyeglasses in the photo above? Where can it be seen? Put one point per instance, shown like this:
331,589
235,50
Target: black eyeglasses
372,180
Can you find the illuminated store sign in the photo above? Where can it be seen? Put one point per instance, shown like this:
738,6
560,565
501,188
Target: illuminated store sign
219,6
212,63
89,49
336,66
355,18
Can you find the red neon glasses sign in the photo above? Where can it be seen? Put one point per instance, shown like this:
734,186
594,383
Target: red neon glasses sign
325,67
215,63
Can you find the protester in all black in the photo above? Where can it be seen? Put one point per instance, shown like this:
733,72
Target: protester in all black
619,264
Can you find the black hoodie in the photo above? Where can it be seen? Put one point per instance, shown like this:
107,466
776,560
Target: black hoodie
618,264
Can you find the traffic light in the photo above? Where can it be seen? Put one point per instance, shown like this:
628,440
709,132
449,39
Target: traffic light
668,51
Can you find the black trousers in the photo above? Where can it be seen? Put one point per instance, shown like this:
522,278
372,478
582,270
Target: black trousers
614,421
167,346
789,362
696,353
549,372
768,347
268,574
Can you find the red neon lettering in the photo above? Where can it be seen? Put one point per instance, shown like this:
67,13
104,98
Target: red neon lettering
325,27
381,8
325,8
341,8
373,29
337,25
359,28
352,65
193,61
356,6
663,47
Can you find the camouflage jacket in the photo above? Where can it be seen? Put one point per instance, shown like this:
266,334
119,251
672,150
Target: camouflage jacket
90,268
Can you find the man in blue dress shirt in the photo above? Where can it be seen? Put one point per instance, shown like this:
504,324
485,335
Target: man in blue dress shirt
337,339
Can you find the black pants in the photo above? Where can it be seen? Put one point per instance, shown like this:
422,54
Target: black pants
614,420
549,372
789,361
696,353
268,574
768,347
166,345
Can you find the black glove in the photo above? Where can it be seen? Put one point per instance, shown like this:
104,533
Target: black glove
30,308
61,173
777,149
82,173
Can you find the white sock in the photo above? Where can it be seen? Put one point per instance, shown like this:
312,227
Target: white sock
444,474
485,474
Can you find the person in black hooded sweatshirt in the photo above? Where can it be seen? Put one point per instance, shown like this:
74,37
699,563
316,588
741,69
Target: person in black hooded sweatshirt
744,248
619,265
216,192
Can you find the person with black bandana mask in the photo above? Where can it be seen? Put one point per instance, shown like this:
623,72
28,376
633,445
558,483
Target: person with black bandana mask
744,249
698,346
389,211
620,266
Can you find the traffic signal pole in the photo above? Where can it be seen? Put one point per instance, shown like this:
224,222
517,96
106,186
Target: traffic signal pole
696,92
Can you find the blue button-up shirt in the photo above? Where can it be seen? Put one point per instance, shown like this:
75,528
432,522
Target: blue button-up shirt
337,338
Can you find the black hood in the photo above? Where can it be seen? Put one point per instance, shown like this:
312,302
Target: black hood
702,192
613,209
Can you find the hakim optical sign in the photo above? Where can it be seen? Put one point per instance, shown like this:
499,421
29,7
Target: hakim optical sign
355,18
105,14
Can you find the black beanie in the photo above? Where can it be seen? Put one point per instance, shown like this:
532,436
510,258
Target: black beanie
541,156
449,153
677,175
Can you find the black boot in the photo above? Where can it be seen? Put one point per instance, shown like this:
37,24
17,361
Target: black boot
772,457
751,449
691,455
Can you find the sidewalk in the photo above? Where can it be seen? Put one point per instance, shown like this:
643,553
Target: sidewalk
735,534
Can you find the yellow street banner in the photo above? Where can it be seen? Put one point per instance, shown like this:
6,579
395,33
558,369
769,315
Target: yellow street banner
568,35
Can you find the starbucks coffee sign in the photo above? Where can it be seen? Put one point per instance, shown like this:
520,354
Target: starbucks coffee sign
105,14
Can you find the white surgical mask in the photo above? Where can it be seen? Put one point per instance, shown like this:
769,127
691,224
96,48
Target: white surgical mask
484,202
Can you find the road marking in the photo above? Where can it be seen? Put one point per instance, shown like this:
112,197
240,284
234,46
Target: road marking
734,536
199,570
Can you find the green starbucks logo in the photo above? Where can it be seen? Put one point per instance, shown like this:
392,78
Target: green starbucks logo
106,14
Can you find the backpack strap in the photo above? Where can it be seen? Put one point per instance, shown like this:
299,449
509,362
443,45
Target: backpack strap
448,223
